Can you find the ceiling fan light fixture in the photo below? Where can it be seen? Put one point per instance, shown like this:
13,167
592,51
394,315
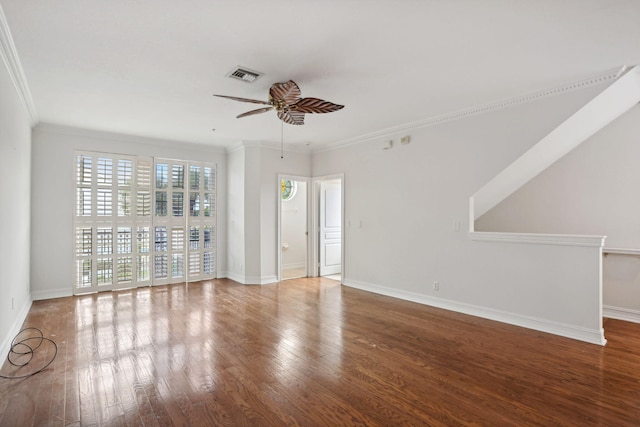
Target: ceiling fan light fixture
244,74
285,99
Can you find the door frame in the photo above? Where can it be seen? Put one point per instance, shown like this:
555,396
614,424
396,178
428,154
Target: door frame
308,181
315,223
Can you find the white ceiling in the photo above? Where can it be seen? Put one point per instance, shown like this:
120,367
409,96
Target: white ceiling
150,67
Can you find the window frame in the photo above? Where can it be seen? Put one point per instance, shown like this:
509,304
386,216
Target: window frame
127,269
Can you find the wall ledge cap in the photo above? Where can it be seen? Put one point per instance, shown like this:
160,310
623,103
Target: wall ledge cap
541,239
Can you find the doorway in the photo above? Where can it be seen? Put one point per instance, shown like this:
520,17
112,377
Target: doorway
329,245
311,227
293,228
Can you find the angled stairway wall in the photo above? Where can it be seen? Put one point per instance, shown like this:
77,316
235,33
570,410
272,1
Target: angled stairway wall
602,110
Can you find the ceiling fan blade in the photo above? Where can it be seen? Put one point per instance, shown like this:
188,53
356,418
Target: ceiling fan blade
252,112
288,92
315,105
291,117
235,98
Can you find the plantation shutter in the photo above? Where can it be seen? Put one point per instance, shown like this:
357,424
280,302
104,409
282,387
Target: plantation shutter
140,221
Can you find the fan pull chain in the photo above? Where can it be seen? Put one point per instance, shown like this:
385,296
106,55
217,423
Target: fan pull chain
282,140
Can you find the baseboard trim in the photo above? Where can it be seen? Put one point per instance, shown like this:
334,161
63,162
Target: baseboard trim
260,280
621,313
249,280
15,328
568,331
233,276
54,293
294,265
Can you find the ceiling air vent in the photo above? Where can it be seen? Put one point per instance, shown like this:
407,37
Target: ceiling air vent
244,74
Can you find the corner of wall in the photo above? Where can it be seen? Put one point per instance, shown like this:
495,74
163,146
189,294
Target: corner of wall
15,328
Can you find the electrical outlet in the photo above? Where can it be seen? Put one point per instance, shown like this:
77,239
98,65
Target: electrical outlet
436,286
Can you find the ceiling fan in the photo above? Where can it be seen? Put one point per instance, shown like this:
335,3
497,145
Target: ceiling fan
285,99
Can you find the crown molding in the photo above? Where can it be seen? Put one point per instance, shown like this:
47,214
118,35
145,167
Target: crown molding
112,136
234,147
269,146
287,148
596,80
14,67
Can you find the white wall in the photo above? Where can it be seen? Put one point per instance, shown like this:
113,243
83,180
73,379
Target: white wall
259,167
411,198
592,190
235,215
53,195
294,163
15,176
615,100
621,287
294,226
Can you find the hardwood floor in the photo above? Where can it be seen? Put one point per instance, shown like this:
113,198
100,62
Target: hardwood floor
310,352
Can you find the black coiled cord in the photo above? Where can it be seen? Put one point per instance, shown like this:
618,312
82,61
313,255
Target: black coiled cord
25,346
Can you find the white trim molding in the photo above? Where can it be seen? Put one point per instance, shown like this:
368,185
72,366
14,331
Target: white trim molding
44,127
596,80
15,328
293,265
14,66
620,251
248,280
53,293
610,104
540,239
543,325
288,148
621,313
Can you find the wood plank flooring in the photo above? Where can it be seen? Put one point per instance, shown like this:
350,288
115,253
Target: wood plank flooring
310,352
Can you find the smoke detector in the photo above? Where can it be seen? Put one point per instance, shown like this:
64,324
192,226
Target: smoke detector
244,74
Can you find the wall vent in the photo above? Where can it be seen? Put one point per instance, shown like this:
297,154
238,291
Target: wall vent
244,74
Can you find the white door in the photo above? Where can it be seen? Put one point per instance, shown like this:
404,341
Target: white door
330,228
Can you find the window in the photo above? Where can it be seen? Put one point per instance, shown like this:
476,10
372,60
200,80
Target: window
177,257
201,222
288,189
112,213
132,224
